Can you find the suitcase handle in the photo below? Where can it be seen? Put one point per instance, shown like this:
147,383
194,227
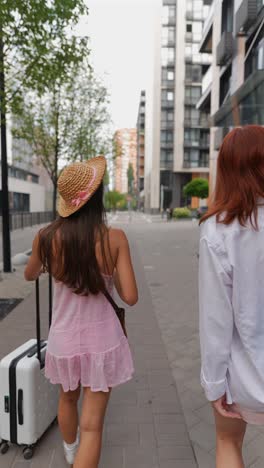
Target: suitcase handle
38,315
20,408
38,320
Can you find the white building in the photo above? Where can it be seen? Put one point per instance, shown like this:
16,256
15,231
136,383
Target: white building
29,186
177,134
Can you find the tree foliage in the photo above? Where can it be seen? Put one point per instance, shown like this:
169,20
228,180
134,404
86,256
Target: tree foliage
130,179
197,188
86,126
39,44
60,126
113,199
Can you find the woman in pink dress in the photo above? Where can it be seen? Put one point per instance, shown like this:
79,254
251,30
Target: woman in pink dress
87,347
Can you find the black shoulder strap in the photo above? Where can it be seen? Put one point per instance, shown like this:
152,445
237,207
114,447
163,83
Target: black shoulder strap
111,300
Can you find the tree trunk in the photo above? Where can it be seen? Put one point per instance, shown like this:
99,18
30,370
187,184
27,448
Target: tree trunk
4,166
56,165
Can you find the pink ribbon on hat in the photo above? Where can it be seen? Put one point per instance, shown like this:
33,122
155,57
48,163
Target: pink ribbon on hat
84,194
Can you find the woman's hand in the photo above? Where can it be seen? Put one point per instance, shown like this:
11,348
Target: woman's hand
224,410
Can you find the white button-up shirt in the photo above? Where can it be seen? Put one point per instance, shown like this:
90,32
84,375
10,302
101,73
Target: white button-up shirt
231,290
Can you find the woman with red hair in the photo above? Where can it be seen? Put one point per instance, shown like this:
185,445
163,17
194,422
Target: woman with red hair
231,285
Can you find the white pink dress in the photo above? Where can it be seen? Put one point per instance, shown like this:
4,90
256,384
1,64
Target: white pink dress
86,343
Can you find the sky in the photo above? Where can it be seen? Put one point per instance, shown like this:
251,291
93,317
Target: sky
121,33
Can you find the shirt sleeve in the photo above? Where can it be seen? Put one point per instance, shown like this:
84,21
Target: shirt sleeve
216,318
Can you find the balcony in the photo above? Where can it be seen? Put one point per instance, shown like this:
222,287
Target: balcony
196,164
207,80
246,15
168,84
207,39
225,48
202,122
167,104
167,145
203,143
167,125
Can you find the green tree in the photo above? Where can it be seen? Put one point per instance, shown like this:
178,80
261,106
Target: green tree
57,125
87,123
197,188
106,178
36,47
130,179
113,198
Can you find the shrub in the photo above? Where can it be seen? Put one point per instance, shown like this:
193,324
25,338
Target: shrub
181,213
197,188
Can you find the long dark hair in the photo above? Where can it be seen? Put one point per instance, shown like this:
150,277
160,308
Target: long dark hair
240,177
67,247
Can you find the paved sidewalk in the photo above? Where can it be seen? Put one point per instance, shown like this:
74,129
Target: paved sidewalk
169,254
145,427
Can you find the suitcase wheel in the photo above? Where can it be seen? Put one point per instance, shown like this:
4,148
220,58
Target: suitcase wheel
28,453
4,447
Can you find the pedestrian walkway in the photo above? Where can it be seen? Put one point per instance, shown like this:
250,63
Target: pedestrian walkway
169,254
145,426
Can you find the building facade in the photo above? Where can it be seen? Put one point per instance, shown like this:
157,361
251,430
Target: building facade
180,132
26,194
141,124
233,87
125,142
30,188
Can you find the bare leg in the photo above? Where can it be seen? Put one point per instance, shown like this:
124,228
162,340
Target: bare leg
230,435
91,426
68,415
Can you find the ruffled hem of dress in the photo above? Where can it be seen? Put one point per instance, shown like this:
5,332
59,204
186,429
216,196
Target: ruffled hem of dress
98,371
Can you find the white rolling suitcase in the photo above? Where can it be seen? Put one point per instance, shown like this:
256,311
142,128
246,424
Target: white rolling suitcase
28,401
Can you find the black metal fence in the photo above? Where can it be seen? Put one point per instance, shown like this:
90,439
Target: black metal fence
23,219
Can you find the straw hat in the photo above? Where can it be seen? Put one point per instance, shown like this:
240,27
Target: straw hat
77,184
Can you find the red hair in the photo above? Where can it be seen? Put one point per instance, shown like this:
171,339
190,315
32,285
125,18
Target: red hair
240,177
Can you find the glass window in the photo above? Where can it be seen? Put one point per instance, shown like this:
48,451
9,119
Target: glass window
170,75
189,28
227,15
193,73
188,50
197,31
171,34
172,11
189,5
167,116
193,94
192,134
166,156
165,15
168,35
170,95
165,35
167,56
166,136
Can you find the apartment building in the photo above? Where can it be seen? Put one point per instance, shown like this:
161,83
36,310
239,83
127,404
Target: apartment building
141,148
30,187
179,150
125,142
233,87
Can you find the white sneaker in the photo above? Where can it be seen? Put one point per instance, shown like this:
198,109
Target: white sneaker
70,450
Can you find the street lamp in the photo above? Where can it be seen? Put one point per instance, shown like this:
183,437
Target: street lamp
4,165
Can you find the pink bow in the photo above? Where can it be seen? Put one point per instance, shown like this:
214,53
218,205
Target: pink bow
84,194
